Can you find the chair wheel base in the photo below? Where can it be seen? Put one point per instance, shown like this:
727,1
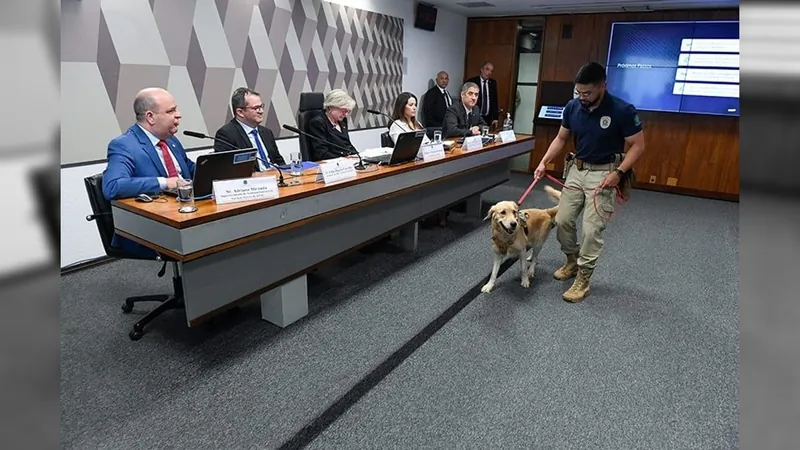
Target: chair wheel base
135,335
127,307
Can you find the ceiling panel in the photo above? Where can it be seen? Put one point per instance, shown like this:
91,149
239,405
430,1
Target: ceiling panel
478,8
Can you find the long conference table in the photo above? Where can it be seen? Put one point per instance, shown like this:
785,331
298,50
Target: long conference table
228,253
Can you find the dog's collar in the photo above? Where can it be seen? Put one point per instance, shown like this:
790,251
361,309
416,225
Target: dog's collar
522,218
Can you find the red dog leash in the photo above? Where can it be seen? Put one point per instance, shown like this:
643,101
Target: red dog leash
618,194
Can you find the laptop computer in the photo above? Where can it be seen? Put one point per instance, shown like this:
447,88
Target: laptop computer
405,149
228,165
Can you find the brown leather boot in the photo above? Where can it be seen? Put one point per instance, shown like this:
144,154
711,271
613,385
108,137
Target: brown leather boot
569,269
580,288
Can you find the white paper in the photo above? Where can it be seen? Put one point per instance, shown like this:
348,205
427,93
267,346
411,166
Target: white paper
337,170
245,189
375,152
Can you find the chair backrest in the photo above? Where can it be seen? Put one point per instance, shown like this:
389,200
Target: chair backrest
386,140
310,105
101,211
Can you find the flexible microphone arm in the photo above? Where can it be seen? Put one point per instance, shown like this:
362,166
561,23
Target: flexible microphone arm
345,151
376,112
195,134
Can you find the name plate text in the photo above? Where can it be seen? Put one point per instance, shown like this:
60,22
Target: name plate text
245,189
336,171
472,143
432,152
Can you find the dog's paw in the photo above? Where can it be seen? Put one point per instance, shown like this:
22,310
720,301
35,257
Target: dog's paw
487,288
526,283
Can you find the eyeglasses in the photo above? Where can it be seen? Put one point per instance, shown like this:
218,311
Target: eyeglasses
256,107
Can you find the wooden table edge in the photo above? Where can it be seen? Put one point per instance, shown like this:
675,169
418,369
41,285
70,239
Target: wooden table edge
130,207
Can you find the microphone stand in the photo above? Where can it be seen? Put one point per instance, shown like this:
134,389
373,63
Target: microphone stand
281,181
379,113
359,166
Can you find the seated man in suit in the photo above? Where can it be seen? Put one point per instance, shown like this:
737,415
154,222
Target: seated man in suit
463,118
245,129
147,158
436,102
331,126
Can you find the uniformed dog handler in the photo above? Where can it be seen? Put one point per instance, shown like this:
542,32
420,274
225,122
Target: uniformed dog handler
600,125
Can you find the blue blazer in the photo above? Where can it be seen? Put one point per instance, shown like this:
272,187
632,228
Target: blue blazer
133,169
134,166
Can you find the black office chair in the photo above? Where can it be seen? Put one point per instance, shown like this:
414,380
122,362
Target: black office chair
310,105
101,214
386,140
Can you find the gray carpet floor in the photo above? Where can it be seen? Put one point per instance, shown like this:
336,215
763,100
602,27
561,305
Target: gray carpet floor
649,360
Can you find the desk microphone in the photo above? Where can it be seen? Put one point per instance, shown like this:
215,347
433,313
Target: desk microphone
195,134
376,112
345,151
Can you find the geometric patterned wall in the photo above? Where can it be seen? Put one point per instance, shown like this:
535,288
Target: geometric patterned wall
279,48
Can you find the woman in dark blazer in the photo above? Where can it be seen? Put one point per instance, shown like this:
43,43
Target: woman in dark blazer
331,126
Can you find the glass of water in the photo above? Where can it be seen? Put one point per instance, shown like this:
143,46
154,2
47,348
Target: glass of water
296,163
484,131
186,196
437,136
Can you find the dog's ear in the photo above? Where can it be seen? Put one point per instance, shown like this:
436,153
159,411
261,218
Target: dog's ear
490,213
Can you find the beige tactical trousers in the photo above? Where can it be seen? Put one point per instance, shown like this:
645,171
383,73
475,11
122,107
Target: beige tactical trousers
578,196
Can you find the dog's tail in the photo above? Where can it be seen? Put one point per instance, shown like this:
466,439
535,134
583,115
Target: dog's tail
555,196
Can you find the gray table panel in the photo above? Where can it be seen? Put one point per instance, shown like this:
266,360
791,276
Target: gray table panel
220,278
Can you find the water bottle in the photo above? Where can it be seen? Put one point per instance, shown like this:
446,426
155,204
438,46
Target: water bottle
508,124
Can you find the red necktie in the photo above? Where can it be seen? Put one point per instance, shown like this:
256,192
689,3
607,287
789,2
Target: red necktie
171,172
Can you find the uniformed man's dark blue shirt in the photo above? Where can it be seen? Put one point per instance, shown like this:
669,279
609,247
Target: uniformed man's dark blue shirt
601,133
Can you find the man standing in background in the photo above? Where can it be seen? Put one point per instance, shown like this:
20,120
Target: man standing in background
487,93
436,102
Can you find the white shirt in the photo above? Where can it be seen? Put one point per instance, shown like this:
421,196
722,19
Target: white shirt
398,127
162,181
448,100
249,130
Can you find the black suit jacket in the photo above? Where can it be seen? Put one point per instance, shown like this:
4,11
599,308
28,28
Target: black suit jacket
493,108
434,106
456,123
323,129
234,133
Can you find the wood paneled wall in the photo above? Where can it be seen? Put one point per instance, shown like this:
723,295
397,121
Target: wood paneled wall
690,154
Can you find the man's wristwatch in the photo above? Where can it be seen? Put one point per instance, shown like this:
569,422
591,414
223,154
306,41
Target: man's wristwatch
619,172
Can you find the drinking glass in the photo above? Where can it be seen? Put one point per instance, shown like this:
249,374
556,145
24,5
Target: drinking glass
296,163
437,136
186,196
484,131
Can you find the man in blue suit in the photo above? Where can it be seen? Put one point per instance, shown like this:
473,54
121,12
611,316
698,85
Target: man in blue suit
147,158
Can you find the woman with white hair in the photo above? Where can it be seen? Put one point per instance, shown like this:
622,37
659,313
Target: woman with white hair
331,126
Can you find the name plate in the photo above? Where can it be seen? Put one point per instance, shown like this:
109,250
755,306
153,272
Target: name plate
245,189
507,136
432,152
336,171
472,143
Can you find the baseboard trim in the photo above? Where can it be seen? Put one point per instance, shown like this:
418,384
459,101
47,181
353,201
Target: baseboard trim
86,264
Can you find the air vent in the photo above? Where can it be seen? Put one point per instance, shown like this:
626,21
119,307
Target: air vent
476,5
